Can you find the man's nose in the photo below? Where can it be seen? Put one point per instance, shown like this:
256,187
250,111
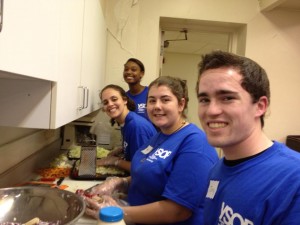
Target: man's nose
214,108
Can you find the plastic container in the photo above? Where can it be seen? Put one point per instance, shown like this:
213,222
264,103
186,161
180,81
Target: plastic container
111,215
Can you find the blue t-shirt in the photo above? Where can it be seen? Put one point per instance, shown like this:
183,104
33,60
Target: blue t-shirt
140,101
135,132
263,190
176,168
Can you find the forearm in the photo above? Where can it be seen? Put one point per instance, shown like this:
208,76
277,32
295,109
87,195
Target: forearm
124,184
165,211
114,161
123,164
116,152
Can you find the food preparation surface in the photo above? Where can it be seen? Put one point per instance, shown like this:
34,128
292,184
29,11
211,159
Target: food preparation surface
101,172
73,185
64,163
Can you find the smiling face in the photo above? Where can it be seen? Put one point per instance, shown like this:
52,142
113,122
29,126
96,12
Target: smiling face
132,73
114,105
163,108
226,110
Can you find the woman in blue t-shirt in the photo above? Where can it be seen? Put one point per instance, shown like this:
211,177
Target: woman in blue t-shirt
133,73
169,173
135,129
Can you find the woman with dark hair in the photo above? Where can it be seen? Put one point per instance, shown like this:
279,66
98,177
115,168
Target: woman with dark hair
135,129
133,73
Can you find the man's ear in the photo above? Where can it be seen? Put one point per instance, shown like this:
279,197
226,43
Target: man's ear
262,106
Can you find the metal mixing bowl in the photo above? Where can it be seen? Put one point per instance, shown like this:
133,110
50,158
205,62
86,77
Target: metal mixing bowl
21,204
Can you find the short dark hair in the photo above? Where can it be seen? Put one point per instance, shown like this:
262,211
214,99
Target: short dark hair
138,62
255,80
177,86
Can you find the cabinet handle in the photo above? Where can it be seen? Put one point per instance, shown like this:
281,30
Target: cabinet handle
87,98
84,97
80,107
1,14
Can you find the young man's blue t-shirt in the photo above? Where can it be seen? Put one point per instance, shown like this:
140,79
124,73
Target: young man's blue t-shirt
262,190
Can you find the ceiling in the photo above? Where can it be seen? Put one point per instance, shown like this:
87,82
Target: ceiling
186,36
289,4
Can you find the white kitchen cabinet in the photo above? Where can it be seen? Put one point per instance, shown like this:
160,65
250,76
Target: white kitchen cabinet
29,37
75,69
25,102
84,33
93,53
66,92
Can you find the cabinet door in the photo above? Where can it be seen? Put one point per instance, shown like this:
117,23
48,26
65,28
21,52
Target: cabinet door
29,37
66,92
66,42
82,62
93,53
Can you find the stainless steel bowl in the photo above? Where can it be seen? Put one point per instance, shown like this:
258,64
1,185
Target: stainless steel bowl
22,204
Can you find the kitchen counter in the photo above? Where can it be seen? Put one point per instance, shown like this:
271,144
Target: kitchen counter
73,185
61,161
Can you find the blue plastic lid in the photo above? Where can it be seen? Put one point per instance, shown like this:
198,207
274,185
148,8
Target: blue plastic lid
111,214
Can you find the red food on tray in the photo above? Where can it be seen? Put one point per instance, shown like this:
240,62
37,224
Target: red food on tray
54,172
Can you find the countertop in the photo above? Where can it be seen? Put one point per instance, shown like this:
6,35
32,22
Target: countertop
73,185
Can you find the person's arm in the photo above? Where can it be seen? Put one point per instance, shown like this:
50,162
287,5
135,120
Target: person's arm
110,185
114,161
116,152
123,164
165,211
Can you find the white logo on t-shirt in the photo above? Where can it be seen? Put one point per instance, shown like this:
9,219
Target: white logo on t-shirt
228,217
161,153
141,107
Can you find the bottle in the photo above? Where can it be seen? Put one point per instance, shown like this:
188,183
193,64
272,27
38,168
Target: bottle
111,215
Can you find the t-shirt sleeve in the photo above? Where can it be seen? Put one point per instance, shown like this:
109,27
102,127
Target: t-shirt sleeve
139,135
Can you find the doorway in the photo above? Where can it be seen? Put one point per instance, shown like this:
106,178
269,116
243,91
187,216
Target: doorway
183,41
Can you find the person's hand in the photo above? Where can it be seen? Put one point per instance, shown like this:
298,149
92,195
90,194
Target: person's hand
108,187
116,152
108,161
93,205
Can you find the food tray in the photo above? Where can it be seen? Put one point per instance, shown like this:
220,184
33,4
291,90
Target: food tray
75,152
99,176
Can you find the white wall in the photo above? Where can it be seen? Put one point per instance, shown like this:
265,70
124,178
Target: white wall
185,67
271,40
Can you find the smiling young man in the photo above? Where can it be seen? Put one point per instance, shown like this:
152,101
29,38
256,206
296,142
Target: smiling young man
258,180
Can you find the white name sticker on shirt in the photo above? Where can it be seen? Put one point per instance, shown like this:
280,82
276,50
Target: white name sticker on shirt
212,189
147,150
